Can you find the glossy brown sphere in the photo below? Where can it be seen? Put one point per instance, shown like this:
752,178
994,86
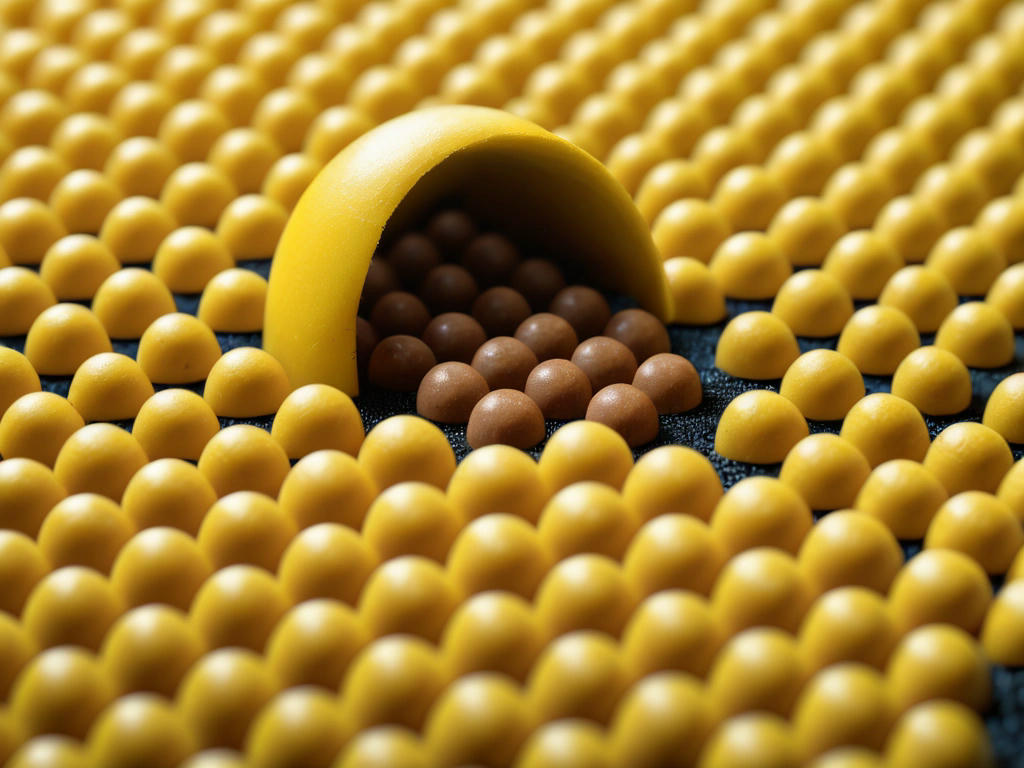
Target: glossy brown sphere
505,362
454,336
399,312
491,258
506,417
560,388
639,330
605,361
500,310
400,362
548,335
671,382
449,391
586,309
627,410
539,280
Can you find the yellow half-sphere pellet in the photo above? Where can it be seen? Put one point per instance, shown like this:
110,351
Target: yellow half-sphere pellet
939,732
63,337
1002,634
83,199
99,458
84,529
761,512
73,605
911,225
140,728
314,643
846,704
689,227
232,301
847,548
749,265
667,182
664,717
1007,294
301,726
671,630
109,387
28,490
135,227
979,334
585,450
1003,411
498,479
385,746
587,517
23,296
748,197
940,585
405,448
903,495
759,427
823,384
1003,221
75,266
804,229
938,661
763,586
189,257
492,631
756,345
244,458
933,379
245,382
578,675
175,423
969,456
979,525
968,258
813,303
877,338
748,740
671,479
757,669
862,262
884,427
23,567
673,551
848,623
826,470
36,425
17,377
318,417
251,226
129,300
922,293
697,296
177,349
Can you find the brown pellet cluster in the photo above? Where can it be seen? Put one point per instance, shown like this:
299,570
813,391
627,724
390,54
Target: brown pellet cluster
500,343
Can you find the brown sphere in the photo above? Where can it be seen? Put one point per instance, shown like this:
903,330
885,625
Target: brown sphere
413,256
505,362
586,309
506,417
671,382
539,280
449,391
400,362
605,361
491,258
560,389
381,279
366,342
500,310
448,288
454,336
451,232
399,312
627,410
548,335
639,330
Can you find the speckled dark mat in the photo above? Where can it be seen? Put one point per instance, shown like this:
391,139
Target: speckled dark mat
696,428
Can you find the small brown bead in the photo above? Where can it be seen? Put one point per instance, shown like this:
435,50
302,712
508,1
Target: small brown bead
671,382
548,336
448,393
454,336
539,280
381,279
491,258
505,362
500,310
560,389
451,231
586,309
399,312
413,256
506,417
448,288
639,330
400,362
366,342
627,410
605,361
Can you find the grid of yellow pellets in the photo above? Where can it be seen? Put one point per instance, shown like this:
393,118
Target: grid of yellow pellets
204,566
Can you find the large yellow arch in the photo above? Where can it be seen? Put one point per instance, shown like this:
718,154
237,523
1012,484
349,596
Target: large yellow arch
514,172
